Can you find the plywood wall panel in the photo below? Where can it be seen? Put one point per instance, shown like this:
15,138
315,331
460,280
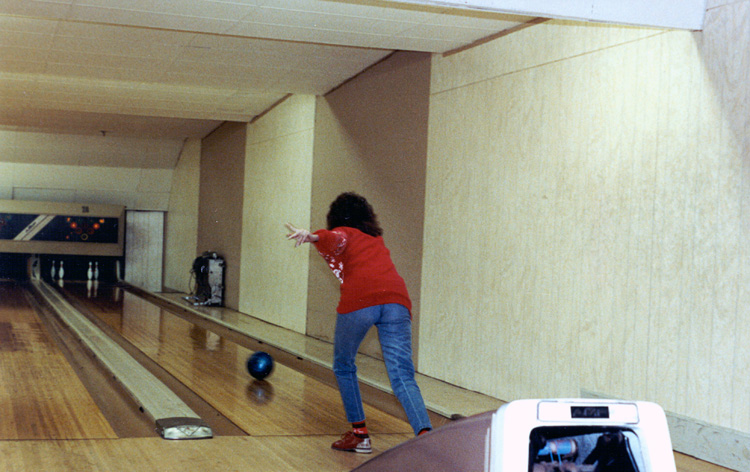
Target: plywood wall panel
728,69
181,229
278,176
371,138
222,174
563,40
586,210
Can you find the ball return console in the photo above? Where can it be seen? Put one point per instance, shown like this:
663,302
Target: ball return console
579,435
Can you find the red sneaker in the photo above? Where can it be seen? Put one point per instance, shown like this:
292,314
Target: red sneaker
352,443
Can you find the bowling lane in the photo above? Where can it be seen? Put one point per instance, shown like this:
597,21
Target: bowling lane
41,397
287,403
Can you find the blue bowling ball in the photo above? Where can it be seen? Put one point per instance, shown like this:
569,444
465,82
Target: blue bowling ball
260,365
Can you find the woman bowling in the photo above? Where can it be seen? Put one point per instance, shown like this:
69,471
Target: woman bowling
372,293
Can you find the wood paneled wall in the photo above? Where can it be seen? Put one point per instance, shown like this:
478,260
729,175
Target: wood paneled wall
278,179
371,138
586,216
222,175
181,229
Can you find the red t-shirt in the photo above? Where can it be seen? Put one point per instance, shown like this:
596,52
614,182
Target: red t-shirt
364,267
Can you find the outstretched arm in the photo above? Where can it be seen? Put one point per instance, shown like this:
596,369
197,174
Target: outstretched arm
300,235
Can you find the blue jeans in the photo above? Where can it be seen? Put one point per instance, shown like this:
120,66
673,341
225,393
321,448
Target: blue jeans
394,332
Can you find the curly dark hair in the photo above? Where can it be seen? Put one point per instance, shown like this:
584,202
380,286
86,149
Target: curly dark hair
353,210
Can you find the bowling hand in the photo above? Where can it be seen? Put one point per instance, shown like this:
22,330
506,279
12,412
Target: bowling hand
300,235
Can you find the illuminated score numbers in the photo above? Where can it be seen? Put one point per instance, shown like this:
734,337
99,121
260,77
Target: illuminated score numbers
589,412
583,411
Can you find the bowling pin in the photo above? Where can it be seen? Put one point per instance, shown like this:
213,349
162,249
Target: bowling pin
52,271
89,286
90,272
96,270
61,272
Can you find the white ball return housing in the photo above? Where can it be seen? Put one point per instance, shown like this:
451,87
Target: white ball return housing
579,435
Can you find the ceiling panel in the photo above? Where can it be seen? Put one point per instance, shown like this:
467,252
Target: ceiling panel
36,8
93,150
148,19
684,14
191,59
93,123
176,69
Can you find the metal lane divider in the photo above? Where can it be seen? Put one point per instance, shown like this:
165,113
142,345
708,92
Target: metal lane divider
172,417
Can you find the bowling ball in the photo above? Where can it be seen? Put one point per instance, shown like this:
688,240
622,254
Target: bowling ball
260,365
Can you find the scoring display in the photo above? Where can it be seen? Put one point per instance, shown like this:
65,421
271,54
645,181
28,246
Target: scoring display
589,411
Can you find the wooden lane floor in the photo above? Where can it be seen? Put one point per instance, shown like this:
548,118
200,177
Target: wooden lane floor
249,453
41,396
289,450
288,409
216,366
287,403
208,360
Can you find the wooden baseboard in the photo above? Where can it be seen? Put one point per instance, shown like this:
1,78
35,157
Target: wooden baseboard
711,443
